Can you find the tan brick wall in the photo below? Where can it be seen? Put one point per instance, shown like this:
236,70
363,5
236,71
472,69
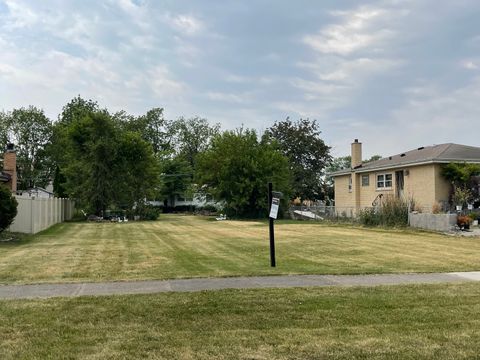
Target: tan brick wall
420,186
423,183
368,194
343,198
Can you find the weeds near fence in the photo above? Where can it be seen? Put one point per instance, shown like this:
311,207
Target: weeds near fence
392,212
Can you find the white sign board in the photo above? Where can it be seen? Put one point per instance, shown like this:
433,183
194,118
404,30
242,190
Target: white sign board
274,208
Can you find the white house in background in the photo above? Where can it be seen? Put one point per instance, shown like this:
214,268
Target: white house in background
198,200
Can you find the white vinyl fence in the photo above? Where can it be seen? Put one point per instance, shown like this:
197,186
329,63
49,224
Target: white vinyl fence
37,214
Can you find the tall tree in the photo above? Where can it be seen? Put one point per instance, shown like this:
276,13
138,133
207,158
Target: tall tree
137,170
4,121
238,167
74,111
90,161
153,128
301,143
30,130
107,166
193,136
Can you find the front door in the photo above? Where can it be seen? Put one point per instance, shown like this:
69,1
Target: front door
399,181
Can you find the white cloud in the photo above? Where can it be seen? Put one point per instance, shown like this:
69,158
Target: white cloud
20,14
163,83
358,29
187,25
469,64
226,97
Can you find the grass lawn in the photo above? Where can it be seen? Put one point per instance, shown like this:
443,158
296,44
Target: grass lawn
396,322
190,246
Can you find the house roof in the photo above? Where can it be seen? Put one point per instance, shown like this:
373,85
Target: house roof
442,153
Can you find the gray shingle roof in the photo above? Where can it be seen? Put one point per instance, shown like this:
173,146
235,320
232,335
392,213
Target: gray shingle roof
442,153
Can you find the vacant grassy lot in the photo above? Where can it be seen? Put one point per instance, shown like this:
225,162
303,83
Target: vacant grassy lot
188,246
398,322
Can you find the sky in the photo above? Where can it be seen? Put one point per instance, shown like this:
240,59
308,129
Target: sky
394,74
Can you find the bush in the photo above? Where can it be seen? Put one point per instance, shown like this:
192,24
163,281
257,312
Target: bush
369,217
392,212
8,208
147,212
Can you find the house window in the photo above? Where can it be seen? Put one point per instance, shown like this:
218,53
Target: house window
350,184
365,180
384,181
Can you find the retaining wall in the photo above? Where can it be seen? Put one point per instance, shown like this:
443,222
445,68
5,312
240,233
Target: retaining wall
436,222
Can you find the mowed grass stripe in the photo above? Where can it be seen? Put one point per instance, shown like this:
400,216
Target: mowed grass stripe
391,322
192,246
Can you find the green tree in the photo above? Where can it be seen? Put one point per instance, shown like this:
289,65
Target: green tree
463,176
74,111
77,109
152,127
137,171
373,158
176,177
31,131
460,173
301,143
3,130
8,208
90,161
106,166
237,169
193,136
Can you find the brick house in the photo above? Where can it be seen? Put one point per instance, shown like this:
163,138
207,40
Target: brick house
8,176
414,174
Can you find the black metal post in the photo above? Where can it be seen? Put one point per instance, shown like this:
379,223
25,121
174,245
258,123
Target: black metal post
272,232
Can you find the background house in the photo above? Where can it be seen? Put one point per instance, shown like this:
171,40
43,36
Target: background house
8,176
413,174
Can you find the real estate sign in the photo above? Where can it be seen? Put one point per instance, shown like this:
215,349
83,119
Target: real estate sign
274,208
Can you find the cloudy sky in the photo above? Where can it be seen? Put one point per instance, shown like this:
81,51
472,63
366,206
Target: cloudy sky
394,74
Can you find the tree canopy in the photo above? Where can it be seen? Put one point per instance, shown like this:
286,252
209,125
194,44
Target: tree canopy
118,160
308,155
31,131
237,169
105,165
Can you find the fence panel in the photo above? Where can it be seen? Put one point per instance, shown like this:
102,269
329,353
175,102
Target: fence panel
37,214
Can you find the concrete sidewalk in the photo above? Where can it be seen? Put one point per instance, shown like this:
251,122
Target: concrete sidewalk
200,284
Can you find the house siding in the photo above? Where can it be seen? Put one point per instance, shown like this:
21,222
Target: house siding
423,183
344,199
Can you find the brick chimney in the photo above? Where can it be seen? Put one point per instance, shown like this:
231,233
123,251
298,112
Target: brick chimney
10,166
356,153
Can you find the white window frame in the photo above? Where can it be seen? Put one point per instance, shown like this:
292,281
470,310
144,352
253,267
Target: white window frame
381,184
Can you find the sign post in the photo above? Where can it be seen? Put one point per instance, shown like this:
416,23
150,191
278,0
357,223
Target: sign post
273,215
